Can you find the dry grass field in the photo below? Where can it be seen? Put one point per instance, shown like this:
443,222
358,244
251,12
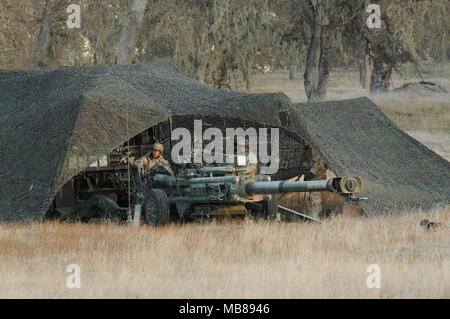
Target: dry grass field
249,259
231,259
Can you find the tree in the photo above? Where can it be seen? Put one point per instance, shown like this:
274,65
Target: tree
226,41
96,42
215,15
127,43
42,46
365,68
292,49
389,46
217,41
320,20
248,38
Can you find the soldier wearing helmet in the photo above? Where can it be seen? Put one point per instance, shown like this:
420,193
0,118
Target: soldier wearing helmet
147,162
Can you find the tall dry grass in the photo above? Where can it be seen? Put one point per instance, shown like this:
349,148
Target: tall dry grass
438,141
239,259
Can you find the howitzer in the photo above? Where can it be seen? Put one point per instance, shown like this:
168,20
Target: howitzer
215,191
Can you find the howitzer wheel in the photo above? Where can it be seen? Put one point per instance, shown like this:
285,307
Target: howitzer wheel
156,207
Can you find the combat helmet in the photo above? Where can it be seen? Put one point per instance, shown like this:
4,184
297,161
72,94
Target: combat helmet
158,147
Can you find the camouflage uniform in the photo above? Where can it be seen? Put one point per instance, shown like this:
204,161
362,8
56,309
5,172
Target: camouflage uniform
146,163
315,169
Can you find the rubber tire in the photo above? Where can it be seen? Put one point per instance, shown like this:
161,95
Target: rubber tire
161,202
271,208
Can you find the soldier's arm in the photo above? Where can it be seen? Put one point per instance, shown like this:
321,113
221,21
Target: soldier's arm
141,162
150,164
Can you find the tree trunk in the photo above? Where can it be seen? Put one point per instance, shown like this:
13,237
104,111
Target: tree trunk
201,70
248,80
444,48
214,24
292,72
127,43
362,74
40,54
365,71
316,73
368,70
380,78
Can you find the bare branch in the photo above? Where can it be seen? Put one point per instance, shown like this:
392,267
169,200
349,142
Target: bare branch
217,21
307,11
57,6
345,20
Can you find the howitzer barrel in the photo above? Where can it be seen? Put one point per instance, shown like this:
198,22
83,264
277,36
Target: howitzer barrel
221,169
342,185
172,181
219,179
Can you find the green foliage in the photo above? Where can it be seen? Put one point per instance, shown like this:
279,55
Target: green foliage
221,42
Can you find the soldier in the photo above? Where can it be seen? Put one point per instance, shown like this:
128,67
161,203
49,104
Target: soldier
146,162
315,170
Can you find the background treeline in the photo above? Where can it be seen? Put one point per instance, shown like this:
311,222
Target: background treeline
223,41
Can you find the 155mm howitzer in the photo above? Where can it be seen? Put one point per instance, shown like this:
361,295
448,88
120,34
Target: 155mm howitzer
218,191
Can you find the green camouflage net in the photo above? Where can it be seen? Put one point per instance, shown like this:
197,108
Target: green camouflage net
356,138
53,122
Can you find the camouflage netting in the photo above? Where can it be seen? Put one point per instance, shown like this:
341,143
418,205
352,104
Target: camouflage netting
48,118
356,138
